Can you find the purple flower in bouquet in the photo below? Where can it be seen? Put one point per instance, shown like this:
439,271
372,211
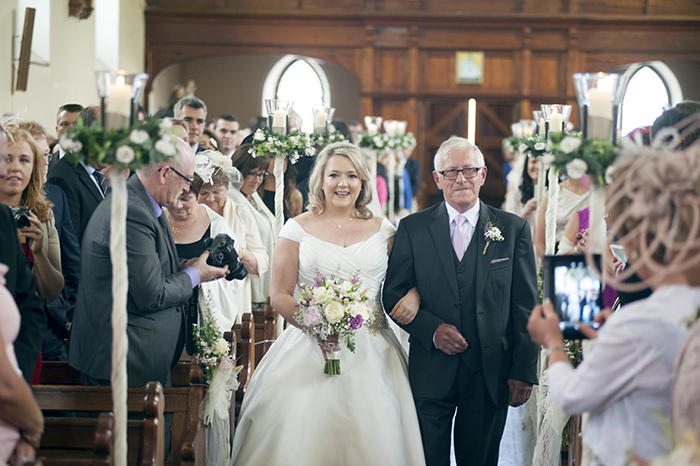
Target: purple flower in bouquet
312,317
356,321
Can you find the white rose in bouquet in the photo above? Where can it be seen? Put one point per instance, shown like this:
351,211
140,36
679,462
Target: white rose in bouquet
359,309
322,295
576,168
334,312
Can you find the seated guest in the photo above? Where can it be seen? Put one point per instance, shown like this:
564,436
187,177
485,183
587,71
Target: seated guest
21,422
625,381
253,170
23,187
219,177
192,224
60,310
20,283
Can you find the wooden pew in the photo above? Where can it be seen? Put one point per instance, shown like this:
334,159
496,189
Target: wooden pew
188,390
264,330
242,338
87,441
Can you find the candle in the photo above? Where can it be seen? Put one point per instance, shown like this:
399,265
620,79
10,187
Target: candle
556,123
119,102
320,121
541,130
391,128
371,129
279,119
401,128
600,104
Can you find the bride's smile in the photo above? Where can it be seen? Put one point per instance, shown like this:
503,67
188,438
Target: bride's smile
341,183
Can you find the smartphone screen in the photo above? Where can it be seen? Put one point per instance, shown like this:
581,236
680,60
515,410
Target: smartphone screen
575,291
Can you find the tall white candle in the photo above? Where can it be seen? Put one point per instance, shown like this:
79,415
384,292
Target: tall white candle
541,130
120,97
401,128
600,104
371,129
279,119
556,123
320,122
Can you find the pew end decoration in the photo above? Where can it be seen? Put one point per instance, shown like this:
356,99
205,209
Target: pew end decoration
215,357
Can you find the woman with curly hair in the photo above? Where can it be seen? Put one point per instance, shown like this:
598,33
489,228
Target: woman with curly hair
22,187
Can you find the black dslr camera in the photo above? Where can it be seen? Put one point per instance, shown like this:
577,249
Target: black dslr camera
221,253
21,215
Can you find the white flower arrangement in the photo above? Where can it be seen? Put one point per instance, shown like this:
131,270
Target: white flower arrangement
126,154
334,306
292,146
576,168
491,233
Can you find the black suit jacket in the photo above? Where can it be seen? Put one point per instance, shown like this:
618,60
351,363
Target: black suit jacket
80,190
506,292
21,283
62,309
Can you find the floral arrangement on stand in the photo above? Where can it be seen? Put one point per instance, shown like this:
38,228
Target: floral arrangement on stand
382,142
334,306
145,142
532,146
321,140
212,349
292,146
577,156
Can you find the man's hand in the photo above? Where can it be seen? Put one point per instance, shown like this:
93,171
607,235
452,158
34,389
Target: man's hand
520,391
208,273
449,340
406,309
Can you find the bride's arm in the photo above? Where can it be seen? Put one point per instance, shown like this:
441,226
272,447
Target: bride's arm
406,309
285,268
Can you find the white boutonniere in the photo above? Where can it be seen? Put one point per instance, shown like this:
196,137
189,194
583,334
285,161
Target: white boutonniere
491,233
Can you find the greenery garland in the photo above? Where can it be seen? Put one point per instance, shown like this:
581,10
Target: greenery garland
321,140
576,156
144,143
292,146
383,141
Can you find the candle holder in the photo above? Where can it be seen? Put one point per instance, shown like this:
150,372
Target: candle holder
529,127
120,93
391,128
599,96
322,118
278,112
373,124
539,119
555,117
401,127
517,129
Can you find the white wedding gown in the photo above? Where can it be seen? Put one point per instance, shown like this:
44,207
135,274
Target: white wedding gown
294,415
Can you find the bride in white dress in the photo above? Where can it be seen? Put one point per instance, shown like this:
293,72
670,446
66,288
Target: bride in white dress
292,413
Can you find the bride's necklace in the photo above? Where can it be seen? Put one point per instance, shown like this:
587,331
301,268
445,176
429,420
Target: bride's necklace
178,230
336,223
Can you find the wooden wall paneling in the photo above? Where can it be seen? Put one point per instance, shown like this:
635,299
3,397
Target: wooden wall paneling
677,7
501,74
629,7
437,71
468,6
545,6
391,36
549,39
470,37
367,81
659,40
546,76
391,70
525,74
573,66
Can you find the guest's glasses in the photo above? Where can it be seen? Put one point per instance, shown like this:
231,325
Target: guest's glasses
261,175
452,174
189,180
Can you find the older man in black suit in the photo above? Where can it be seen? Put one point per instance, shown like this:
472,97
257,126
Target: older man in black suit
158,289
474,267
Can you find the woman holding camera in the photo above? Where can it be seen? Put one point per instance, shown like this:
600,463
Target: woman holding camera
221,193
192,224
625,381
22,190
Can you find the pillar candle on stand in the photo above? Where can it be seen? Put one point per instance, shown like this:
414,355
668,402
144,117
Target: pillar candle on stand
401,128
556,123
320,122
600,114
372,129
279,122
120,97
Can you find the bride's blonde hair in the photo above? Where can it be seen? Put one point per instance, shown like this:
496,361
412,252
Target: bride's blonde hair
317,198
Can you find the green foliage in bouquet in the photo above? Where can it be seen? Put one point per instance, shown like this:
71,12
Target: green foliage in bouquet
211,347
382,142
321,140
144,143
292,146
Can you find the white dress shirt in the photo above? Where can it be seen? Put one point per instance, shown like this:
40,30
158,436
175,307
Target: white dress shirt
90,170
625,381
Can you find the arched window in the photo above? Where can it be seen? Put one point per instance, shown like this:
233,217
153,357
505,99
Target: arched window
650,89
301,80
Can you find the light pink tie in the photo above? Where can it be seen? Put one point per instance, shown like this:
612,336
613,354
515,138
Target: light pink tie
458,236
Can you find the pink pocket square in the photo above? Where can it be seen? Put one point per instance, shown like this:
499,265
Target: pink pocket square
496,261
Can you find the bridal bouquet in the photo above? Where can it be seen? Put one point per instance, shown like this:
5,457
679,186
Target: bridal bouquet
334,306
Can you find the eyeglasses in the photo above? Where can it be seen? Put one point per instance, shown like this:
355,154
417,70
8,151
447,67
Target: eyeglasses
469,172
257,175
189,181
